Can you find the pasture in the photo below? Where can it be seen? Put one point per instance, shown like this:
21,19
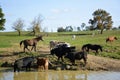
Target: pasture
10,48
9,41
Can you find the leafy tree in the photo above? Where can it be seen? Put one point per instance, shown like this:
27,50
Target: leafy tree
101,20
2,20
69,29
83,25
78,28
36,25
18,25
118,27
60,29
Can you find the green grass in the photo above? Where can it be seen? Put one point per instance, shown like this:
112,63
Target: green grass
112,50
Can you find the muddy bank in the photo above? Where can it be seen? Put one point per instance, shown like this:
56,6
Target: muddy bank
103,63
94,63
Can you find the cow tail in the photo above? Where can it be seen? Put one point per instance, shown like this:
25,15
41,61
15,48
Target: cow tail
21,43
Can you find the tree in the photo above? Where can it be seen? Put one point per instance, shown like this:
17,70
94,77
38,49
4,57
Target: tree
78,28
2,20
101,20
18,25
83,25
60,29
69,29
36,25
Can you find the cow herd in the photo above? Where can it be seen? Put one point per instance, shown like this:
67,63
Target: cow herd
60,49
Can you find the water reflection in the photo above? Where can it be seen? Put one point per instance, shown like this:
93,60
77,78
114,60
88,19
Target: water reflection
60,75
50,75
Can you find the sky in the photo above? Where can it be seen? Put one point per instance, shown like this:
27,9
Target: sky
57,13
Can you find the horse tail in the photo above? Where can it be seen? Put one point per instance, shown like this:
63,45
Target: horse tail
21,43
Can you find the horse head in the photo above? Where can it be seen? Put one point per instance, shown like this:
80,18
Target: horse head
115,38
40,37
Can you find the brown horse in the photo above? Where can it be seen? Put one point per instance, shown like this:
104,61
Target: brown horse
111,39
30,42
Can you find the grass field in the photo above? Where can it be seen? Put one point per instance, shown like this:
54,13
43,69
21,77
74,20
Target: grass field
9,41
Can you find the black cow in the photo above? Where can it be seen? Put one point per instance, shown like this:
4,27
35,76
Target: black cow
61,50
25,62
77,56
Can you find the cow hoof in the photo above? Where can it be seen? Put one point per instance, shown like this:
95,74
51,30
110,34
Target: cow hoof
58,68
68,67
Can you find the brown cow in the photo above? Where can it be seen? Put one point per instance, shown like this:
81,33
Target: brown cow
42,63
111,39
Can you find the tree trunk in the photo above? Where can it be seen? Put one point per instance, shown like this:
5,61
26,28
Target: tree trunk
101,31
19,33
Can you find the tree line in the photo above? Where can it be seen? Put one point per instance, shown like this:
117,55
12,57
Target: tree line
101,20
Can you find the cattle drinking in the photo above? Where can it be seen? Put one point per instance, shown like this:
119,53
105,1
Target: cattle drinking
25,62
42,63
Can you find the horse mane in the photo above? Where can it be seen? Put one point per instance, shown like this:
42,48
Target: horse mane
39,37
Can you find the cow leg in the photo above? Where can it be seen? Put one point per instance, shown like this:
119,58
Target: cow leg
85,60
58,58
73,62
45,67
15,68
62,59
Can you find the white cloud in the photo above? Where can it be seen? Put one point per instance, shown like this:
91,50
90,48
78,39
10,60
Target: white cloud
58,11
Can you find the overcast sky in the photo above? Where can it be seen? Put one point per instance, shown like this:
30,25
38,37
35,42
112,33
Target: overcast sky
57,13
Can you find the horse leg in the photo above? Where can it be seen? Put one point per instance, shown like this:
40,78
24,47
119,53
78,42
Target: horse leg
96,52
35,48
26,48
32,48
87,50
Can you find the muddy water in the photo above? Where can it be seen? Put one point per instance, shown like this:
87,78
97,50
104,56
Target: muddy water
6,74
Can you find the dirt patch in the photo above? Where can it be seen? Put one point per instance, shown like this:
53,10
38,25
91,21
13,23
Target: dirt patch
102,63
93,63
